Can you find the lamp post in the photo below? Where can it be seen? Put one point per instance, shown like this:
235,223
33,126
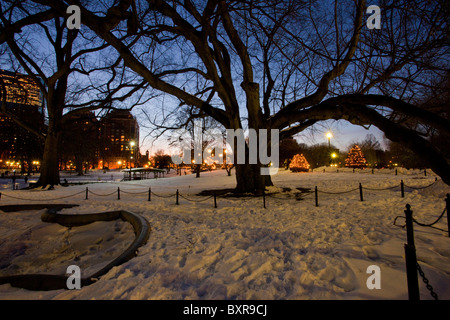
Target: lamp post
333,158
132,144
329,136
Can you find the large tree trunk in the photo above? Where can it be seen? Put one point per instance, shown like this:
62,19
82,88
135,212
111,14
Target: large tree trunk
248,176
250,180
79,165
50,162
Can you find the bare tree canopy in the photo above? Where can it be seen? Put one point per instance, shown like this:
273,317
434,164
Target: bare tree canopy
285,65
65,64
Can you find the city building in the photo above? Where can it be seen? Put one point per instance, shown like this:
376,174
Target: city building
119,141
111,142
79,149
20,95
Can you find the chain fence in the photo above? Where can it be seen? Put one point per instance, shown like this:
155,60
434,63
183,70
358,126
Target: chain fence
427,282
283,196
432,224
412,266
45,199
304,193
391,171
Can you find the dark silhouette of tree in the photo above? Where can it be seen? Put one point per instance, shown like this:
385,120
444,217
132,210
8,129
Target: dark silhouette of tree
64,63
399,155
161,159
288,149
372,151
319,155
287,65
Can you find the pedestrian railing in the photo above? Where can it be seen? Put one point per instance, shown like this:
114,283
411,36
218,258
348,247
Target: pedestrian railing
120,192
412,266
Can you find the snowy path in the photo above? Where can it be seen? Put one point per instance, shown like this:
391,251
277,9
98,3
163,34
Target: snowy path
290,250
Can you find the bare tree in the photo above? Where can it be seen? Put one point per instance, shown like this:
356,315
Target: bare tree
75,70
288,65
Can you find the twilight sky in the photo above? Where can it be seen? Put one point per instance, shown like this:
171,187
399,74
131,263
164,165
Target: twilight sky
344,134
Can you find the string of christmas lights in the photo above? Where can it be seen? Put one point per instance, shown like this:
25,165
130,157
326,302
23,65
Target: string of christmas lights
356,158
299,164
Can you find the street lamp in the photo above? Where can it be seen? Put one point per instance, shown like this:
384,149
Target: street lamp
132,144
333,157
329,136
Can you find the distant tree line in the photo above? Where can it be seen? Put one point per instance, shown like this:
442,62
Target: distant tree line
319,155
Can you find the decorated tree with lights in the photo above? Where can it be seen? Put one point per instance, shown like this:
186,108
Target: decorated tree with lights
355,158
299,164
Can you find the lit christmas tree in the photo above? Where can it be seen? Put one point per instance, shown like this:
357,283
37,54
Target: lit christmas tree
355,158
299,164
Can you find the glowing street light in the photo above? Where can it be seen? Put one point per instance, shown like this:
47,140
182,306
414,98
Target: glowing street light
329,136
132,144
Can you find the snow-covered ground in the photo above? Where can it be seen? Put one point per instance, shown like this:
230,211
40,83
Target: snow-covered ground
240,250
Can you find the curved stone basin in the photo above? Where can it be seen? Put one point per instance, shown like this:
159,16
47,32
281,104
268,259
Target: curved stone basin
32,281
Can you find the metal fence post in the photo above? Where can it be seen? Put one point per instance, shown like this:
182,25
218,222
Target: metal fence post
447,207
361,192
215,200
411,273
411,259
264,199
149,194
317,197
177,197
87,191
409,226
402,188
